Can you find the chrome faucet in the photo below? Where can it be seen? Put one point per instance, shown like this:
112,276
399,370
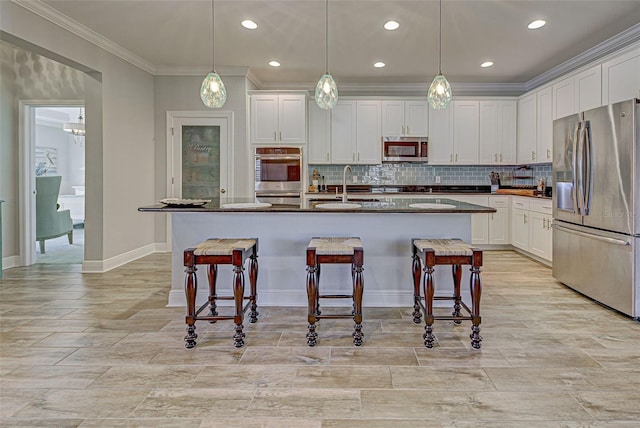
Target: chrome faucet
344,182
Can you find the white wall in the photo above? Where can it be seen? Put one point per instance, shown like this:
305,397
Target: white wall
119,100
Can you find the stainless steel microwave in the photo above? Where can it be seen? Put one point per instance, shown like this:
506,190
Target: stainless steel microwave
405,149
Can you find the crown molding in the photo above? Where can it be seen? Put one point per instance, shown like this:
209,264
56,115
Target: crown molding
50,14
619,41
200,71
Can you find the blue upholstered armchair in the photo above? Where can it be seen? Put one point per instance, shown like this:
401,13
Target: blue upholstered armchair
50,223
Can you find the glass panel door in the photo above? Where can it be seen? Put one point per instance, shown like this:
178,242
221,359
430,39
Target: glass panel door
200,162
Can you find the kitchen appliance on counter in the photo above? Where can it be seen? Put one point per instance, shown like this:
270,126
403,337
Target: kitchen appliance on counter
278,175
596,204
405,149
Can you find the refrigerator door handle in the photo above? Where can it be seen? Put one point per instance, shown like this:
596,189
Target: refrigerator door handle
590,236
586,141
576,162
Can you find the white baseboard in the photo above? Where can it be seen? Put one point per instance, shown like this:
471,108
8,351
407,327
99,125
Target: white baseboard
10,262
100,266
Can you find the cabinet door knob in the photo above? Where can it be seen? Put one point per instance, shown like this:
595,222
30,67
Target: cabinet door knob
525,219
548,154
223,191
275,136
280,135
533,155
408,132
495,157
500,157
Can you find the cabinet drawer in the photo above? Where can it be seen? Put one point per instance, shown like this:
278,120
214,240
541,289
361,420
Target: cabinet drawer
541,206
521,203
498,201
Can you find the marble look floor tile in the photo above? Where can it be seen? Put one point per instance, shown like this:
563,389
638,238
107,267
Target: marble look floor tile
517,406
621,405
544,357
141,423
81,340
140,326
198,356
12,400
249,377
253,338
32,355
194,403
60,377
116,355
161,376
430,378
21,340
306,403
378,423
459,357
284,355
622,379
373,356
414,404
261,423
616,359
52,326
534,379
28,422
343,377
82,403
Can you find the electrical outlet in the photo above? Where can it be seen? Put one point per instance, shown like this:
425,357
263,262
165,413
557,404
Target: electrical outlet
437,179
355,179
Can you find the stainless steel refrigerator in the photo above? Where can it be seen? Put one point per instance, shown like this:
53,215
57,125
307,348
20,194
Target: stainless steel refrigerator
596,204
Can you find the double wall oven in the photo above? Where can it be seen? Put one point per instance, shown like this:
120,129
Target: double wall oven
278,175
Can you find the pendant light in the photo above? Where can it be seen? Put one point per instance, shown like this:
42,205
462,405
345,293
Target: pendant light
212,92
326,89
439,94
75,128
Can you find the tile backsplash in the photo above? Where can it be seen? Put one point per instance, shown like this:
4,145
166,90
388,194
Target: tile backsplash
420,174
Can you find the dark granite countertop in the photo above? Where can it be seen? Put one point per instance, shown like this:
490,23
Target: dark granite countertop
396,205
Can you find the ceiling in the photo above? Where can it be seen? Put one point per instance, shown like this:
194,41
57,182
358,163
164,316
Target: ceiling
174,36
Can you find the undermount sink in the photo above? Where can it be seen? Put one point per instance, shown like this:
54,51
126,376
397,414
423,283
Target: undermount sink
247,205
431,206
338,206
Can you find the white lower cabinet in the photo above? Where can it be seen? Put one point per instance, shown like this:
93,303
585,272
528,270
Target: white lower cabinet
499,221
531,226
479,222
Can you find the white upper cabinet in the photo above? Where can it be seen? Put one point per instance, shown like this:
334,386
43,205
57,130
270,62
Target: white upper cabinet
527,129
278,118
582,91
319,149
466,131
564,98
441,136
404,118
544,118
621,78
368,132
343,132
497,132
588,88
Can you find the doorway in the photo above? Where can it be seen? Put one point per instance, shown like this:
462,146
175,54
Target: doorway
53,163
199,155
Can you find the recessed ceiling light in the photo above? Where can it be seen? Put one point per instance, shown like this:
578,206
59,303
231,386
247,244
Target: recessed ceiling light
274,63
249,24
379,64
538,23
391,25
486,64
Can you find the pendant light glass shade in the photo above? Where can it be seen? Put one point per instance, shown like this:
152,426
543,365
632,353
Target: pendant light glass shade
212,92
326,92
439,95
75,128
326,89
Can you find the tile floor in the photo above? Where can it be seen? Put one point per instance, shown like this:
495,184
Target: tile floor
102,350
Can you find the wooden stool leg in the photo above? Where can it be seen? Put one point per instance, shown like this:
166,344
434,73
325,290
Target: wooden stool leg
416,270
358,288
476,292
191,288
429,291
318,312
456,271
253,282
312,296
238,297
212,276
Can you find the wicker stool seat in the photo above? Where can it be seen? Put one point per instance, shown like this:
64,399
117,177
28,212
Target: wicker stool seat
334,250
454,252
214,252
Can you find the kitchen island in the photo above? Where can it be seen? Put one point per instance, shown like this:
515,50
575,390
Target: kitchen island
385,227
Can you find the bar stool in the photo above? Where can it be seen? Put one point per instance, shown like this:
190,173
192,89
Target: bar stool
214,252
334,250
454,252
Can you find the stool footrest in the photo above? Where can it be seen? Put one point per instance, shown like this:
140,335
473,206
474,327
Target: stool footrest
449,317
336,296
334,316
